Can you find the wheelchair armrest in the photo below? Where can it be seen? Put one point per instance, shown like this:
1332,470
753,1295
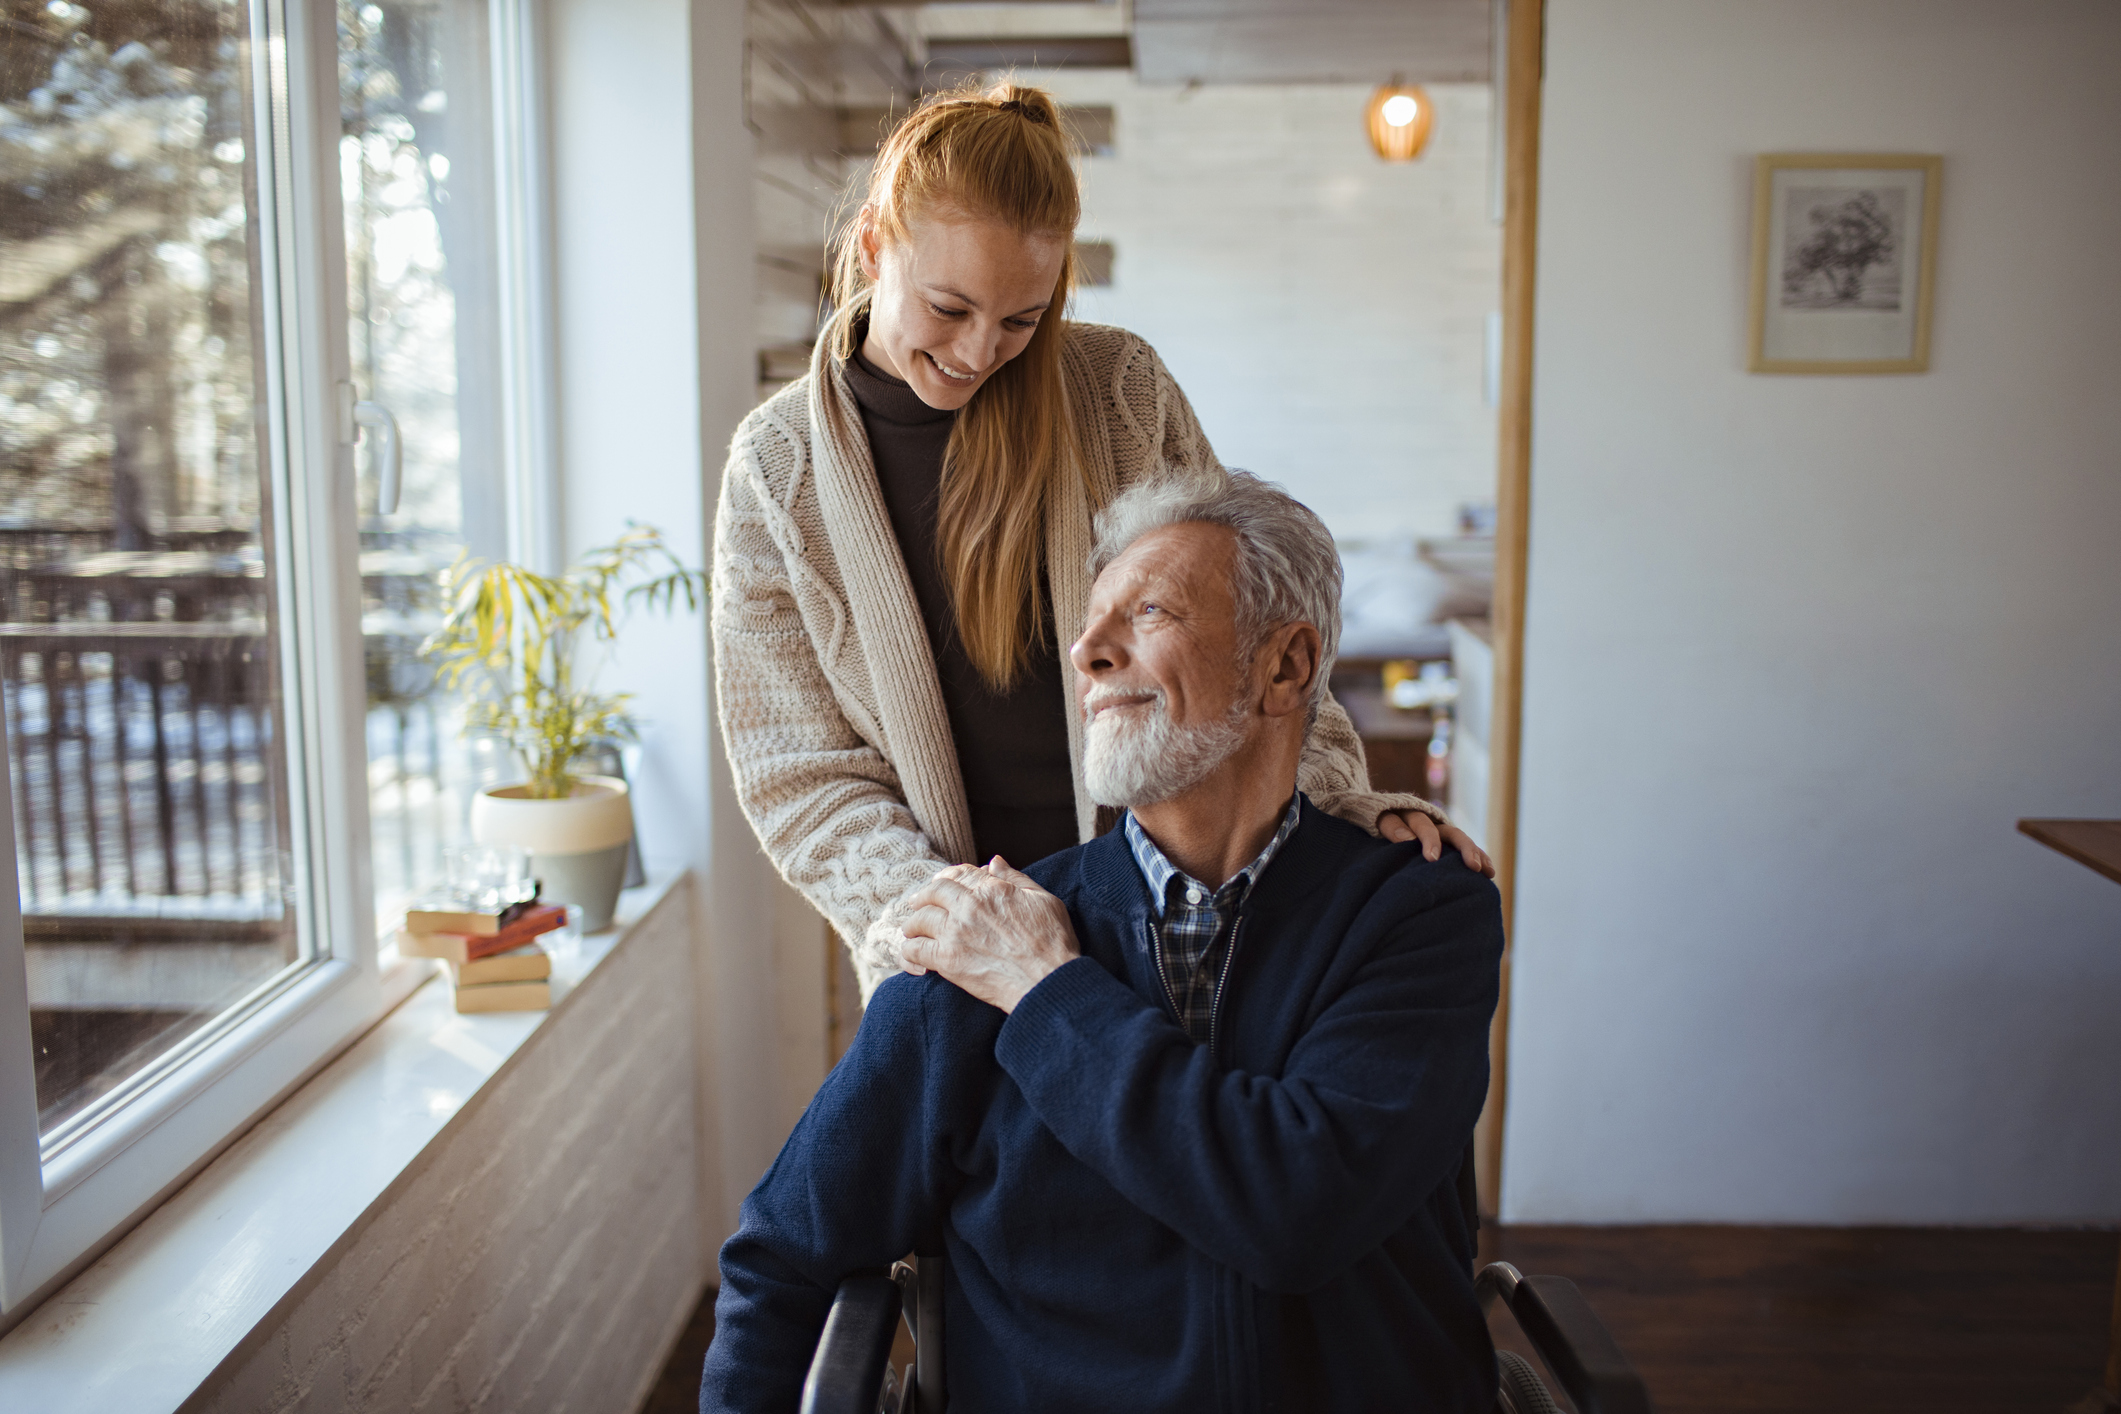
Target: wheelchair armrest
855,1350
1571,1339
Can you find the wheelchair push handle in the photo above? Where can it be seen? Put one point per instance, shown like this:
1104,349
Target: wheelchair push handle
853,1360
851,1373
1569,1336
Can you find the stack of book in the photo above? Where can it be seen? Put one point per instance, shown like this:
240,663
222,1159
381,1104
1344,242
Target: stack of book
494,960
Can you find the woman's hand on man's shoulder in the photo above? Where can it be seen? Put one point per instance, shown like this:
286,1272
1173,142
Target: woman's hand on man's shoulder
1400,826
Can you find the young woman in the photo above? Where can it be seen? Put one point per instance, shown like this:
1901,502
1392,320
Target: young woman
900,547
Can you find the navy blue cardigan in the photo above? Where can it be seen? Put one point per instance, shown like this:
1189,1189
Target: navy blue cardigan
1266,1222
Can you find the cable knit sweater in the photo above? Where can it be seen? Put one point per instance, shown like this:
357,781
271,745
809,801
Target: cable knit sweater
830,709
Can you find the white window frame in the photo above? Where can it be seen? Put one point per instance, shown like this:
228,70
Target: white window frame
62,1207
523,242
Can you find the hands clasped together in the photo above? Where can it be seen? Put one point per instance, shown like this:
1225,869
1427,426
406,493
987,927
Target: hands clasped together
996,934
991,931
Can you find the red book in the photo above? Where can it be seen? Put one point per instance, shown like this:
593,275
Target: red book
532,922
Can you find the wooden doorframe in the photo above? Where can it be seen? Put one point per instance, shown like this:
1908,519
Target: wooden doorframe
1523,74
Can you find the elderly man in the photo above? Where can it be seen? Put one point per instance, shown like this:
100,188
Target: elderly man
1184,1105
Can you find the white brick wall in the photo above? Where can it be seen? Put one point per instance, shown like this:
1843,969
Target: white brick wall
1324,311
543,1252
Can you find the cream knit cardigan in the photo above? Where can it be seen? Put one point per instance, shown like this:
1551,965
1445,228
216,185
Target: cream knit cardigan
830,706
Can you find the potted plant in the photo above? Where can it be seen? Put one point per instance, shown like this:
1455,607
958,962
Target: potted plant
512,639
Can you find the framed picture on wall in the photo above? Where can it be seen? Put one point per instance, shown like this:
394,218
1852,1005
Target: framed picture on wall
1844,259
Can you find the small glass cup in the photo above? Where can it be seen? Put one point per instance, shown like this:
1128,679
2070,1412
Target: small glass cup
487,877
564,944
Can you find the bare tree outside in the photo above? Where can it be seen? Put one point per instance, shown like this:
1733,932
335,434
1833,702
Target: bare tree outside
137,611
139,648
416,181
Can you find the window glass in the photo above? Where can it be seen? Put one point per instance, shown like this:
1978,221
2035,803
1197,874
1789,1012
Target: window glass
137,597
416,184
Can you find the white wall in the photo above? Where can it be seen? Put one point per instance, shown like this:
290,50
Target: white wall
1324,311
654,251
1800,649
543,1251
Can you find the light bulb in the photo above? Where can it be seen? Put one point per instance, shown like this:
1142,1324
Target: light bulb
1398,117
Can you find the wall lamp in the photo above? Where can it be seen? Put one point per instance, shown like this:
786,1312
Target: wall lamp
1399,118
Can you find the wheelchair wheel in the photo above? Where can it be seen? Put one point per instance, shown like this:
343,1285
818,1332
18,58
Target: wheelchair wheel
1522,1391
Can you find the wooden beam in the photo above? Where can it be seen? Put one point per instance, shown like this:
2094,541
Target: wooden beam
1523,73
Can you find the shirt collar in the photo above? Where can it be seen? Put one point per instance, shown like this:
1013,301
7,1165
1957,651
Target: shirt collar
1159,872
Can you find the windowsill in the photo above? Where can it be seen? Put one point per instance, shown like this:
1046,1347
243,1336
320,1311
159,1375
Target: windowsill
145,1326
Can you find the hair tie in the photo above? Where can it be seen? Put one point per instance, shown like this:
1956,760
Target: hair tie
1017,105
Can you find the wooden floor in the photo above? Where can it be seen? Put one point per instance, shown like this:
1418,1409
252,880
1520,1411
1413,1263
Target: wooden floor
677,1389
1826,1320
1804,1320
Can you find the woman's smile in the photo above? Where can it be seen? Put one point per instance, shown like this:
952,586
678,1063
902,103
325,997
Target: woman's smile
947,371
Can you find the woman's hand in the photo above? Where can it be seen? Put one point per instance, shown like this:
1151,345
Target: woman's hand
991,931
1399,826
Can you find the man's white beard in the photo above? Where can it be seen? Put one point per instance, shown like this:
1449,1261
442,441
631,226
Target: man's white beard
1133,758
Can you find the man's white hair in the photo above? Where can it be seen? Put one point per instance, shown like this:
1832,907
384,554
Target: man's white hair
1286,570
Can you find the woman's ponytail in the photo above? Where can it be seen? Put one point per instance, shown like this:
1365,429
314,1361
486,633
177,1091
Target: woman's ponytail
1006,154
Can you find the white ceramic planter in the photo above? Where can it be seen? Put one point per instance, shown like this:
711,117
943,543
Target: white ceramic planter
577,846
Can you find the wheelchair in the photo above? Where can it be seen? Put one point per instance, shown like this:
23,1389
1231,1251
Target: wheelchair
851,1372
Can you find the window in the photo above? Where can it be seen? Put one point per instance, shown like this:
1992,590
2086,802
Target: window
231,231
418,194
144,706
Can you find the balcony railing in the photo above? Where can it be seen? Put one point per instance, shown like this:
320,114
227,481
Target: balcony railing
141,693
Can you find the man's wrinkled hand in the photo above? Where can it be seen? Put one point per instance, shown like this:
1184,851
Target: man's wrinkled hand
990,931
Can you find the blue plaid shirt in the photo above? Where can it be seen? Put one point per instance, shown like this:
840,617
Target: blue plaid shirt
1193,932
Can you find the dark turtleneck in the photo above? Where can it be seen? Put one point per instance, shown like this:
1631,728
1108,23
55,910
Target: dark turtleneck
1012,746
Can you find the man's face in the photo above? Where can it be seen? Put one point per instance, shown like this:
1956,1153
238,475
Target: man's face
1163,696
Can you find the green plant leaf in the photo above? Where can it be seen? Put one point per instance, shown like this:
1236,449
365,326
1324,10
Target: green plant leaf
509,636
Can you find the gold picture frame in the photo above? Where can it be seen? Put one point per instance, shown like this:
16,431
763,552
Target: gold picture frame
1844,261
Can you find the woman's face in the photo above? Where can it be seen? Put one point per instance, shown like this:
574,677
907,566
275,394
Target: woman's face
955,301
